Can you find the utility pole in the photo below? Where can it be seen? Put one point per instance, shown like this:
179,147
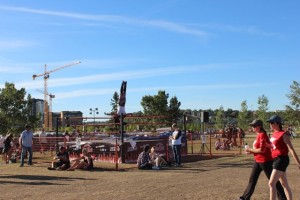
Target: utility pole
94,112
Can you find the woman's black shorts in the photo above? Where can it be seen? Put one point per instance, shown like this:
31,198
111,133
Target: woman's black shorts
281,163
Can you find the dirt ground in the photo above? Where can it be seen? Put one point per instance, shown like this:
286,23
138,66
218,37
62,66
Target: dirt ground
223,178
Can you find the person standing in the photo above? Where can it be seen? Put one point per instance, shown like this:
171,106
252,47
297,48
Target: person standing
26,142
7,151
290,131
281,147
263,160
176,144
66,139
43,141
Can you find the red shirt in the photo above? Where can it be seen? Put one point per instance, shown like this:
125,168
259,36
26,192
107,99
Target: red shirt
262,141
279,146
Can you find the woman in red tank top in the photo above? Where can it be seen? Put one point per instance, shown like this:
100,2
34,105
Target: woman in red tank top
281,146
263,161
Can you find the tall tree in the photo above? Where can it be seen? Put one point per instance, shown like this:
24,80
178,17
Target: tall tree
242,116
114,102
155,105
158,105
294,95
261,113
219,120
15,110
174,109
293,114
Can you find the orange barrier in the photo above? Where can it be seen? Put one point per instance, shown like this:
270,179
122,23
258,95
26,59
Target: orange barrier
195,144
106,150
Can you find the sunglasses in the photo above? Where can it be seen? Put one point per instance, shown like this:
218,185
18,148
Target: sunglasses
272,122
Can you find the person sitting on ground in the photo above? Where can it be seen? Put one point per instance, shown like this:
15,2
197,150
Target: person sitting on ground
16,153
7,150
84,162
218,144
144,160
226,144
61,160
156,159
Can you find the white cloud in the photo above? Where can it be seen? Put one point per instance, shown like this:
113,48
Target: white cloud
252,30
125,75
162,24
188,88
14,44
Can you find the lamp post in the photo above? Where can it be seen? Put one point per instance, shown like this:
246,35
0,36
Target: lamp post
94,112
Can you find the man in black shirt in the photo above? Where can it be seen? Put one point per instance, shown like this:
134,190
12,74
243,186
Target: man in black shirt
61,160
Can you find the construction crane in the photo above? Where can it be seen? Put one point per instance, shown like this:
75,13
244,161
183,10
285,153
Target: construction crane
51,96
46,76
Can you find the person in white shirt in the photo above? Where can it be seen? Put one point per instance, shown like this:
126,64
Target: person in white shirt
43,141
176,144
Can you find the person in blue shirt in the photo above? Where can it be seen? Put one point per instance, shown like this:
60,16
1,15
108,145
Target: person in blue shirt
26,141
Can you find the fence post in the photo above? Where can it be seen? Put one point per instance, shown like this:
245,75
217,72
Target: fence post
122,138
57,122
116,156
167,150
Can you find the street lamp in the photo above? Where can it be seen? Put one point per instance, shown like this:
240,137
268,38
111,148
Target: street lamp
94,112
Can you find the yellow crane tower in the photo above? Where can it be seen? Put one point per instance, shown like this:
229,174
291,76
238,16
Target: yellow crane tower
46,75
51,96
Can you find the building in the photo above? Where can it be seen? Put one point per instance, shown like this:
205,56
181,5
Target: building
71,118
75,117
38,110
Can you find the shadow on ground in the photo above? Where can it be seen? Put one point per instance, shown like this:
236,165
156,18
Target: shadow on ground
36,179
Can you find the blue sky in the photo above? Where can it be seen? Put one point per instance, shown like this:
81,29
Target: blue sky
206,53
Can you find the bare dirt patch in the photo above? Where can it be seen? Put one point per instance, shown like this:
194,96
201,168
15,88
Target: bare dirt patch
223,178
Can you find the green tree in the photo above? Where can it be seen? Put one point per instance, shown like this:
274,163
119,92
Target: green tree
293,112
242,116
261,112
15,110
174,109
294,95
155,105
114,103
158,105
219,120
